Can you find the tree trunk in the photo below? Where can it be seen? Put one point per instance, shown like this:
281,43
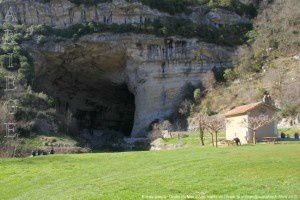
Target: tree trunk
212,139
202,136
254,136
216,139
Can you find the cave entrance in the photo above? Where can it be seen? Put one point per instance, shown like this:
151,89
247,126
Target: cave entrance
108,110
89,85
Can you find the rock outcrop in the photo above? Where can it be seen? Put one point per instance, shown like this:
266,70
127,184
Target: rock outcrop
63,13
105,81
224,17
155,70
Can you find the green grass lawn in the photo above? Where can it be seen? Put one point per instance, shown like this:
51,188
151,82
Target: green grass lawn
264,169
193,139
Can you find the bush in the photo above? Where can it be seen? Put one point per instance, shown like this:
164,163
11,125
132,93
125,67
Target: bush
289,111
230,74
226,35
25,114
41,39
21,60
219,73
197,95
4,62
36,101
26,129
26,72
296,136
282,135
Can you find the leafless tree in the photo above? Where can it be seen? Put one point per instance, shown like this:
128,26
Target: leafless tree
202,121
214,125
254,123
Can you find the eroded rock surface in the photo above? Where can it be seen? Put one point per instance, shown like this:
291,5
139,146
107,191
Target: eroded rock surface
62,13
123,74
119,82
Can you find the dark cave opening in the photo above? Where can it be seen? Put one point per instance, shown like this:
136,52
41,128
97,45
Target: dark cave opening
115,115
90,89
108,109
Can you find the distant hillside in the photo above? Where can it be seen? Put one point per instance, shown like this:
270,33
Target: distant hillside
270,61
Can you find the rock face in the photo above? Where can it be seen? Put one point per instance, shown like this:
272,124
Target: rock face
119,82
62,13
216,17
118,75
220,16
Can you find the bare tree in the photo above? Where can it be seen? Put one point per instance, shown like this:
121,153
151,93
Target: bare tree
202,121
254,123
214,125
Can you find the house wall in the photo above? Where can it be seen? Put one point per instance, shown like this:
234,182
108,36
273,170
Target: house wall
269,130
235,127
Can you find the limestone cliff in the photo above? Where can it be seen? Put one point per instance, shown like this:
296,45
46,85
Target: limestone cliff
122,82
63,13
155,70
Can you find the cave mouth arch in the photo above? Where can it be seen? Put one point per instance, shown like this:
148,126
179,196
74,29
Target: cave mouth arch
105,113
89,86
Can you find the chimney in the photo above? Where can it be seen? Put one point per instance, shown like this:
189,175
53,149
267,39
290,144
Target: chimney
267,99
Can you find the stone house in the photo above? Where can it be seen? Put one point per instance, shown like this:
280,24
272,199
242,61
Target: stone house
237,119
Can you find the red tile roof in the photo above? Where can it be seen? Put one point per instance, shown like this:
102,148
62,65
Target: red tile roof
243,109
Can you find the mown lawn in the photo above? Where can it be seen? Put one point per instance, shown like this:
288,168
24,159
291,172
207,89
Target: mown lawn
264,169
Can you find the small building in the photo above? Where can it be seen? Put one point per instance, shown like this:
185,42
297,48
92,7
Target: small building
237,119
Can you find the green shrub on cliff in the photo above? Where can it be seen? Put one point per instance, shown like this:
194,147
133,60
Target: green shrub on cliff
230,74
225,35
21,60
39,101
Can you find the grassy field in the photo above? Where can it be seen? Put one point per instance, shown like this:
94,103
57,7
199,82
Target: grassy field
192,139
265,169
